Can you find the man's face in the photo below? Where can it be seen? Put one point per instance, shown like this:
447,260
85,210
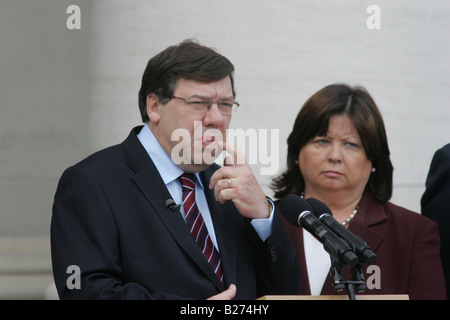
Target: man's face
168,122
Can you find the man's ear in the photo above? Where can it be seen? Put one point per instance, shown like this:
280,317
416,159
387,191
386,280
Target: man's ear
153,107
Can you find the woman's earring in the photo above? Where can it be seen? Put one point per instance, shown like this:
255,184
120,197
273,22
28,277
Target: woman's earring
374,169
296,162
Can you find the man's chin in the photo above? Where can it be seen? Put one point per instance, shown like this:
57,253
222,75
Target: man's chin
194,167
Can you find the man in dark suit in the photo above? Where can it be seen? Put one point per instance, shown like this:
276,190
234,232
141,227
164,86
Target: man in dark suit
436,204
154,218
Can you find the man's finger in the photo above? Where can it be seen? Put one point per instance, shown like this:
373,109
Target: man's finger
238,156
228,294
228,162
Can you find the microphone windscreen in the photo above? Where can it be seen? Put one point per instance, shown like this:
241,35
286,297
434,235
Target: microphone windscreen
291,206
318,207
168,203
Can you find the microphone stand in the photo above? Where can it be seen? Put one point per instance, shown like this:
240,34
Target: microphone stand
340,284
338,281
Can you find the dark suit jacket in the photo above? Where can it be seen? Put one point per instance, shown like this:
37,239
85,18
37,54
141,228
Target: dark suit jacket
406,245
436,203
109,219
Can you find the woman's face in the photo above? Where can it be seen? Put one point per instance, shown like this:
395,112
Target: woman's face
336,161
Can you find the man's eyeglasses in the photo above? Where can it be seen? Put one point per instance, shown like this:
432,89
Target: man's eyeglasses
226,107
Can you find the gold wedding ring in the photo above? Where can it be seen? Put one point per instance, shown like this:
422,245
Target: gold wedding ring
229,183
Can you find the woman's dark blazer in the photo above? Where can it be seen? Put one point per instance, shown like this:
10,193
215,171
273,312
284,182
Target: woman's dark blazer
407,248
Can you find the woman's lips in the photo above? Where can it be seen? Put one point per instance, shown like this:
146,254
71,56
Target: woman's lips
332,174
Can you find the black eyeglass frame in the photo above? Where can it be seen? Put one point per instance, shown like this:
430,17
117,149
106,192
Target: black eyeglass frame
221,104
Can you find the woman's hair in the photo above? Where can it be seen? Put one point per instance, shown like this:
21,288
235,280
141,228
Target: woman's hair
188,60
313,120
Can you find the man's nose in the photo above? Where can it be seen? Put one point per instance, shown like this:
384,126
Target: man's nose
213,117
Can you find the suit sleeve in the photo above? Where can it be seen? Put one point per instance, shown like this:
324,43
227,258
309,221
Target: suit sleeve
436,205
84,234
275,260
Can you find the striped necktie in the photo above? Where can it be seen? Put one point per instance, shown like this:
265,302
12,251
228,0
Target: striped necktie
197,225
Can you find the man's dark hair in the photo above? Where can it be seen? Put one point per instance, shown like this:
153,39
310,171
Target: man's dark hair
187,60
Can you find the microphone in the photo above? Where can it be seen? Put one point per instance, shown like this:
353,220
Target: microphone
171,205
299,213
324,214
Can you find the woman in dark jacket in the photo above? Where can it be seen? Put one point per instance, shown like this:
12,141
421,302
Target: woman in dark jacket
338,153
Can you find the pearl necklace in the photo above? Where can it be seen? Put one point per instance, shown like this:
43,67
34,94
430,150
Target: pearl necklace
346,222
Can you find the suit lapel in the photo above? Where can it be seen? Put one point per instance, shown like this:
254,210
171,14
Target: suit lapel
370,213
372,238
150,183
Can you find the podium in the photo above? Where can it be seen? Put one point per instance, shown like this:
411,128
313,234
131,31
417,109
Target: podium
337,297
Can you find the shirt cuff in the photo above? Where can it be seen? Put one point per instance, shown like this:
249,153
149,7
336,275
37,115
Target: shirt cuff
263,227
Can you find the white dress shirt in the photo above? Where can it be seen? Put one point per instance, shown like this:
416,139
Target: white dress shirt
318,263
